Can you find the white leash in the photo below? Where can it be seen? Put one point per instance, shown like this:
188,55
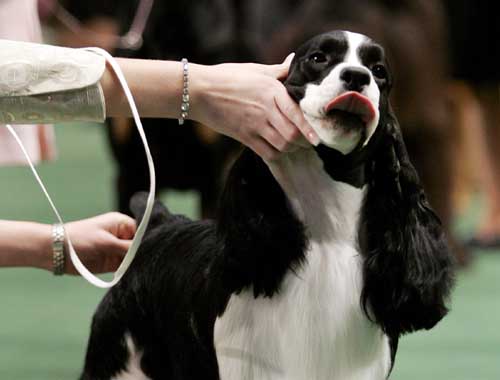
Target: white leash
141,229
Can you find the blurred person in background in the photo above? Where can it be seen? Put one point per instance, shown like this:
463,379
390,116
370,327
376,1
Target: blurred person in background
19,21
475,32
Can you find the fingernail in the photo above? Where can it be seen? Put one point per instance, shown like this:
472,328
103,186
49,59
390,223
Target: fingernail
313,138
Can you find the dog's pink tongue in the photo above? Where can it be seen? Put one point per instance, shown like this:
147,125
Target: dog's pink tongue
355,103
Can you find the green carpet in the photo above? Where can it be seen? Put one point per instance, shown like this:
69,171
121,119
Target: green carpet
44,320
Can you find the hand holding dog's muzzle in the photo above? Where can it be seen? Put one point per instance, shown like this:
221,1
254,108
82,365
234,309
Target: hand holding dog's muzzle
249,103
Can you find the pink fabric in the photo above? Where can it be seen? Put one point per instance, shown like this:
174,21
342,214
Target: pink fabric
45,8
19,21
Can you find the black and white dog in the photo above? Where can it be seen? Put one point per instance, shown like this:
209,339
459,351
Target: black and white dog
316,264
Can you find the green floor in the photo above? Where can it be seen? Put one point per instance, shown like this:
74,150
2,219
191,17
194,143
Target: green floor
44,320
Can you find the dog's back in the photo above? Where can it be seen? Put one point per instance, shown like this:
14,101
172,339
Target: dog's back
148,326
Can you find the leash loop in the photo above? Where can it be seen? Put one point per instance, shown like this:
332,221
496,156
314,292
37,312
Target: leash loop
141,229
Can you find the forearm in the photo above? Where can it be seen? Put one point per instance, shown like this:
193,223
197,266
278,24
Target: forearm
243,101
25,244
155,85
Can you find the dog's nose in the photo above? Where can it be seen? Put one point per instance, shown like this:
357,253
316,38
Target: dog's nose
355,78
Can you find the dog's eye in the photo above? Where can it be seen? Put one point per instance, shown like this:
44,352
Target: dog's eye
318,58
379,71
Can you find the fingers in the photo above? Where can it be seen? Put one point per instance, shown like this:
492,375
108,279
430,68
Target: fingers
290,133
279,71
259,112
274,138
283,69
108,263
126,228
288,60
288,113
119,246
288,120
291,110
264,149
120,225
283,132
110,255
120,238
101,242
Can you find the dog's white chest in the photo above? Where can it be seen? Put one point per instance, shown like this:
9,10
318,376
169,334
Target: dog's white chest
314,329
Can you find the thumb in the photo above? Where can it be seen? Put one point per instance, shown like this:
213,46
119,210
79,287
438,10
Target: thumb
284,68
288,61
119,246
279,71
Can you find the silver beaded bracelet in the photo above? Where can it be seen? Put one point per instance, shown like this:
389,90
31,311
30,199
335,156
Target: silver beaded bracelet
58,249
185,92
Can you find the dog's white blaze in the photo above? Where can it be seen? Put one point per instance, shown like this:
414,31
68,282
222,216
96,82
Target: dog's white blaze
354,40
315,328
318,96
133,371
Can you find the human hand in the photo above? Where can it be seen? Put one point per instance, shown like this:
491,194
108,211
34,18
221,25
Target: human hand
100,242
248,103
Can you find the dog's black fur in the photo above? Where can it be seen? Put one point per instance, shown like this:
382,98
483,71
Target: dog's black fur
186,271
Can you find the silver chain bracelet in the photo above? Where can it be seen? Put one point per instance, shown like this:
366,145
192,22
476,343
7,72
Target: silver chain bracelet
185,92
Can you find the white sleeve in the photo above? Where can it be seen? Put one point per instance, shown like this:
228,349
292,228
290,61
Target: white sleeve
48,84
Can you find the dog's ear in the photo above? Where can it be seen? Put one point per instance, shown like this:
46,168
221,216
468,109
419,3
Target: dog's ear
408,269
258,229
138,205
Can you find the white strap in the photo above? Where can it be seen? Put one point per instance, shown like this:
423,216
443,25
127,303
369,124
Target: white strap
141,229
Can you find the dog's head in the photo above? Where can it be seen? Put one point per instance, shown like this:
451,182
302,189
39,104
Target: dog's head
342,84
341,81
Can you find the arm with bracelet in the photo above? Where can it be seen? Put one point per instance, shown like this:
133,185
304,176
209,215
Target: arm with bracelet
41,83
61,85
244,101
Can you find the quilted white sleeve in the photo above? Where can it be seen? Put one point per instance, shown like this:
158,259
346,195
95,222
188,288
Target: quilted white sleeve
48,84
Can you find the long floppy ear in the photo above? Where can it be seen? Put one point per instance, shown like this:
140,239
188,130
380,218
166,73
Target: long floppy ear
408,270
261,236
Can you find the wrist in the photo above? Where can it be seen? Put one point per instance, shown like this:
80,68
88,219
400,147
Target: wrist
41,255
199,86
